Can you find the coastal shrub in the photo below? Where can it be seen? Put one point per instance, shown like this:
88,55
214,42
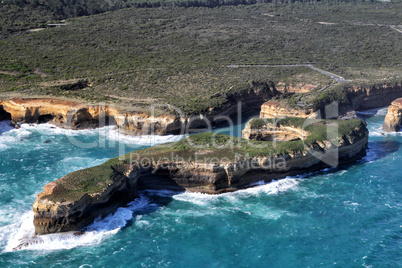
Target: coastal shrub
179,54
327,97
257,123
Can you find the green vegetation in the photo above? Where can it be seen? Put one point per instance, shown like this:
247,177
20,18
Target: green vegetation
178,56
204,147
89,181
324,98
257,123
319,129
20,15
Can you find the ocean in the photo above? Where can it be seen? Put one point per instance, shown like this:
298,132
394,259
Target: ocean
340,217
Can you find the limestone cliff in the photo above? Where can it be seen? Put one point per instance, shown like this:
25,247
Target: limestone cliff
72,202
75,115
273,132
363,98
62,206
393,118
355,98
62,113
274,109
295,88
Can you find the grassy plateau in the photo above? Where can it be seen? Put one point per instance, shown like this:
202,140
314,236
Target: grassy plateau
176,55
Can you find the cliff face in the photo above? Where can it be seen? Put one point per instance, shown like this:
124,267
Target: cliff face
375,96
273,109
358,98
66,206
143,124
74,115
54,213
246,100
393,119
66,114
295,88
270,132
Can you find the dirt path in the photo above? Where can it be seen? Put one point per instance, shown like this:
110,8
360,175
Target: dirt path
337,78
394,28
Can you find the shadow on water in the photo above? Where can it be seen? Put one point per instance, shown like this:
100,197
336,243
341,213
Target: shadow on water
156,201
158,191
380,149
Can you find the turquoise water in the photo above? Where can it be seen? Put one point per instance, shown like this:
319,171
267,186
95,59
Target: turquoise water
348,217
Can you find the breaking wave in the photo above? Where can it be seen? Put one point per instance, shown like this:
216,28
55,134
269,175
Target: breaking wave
21,237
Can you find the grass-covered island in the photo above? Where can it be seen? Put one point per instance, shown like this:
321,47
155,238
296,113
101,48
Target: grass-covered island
205,162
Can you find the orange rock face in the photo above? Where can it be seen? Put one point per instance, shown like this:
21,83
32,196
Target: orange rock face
393,119
295,88
62,113
273,109
74,115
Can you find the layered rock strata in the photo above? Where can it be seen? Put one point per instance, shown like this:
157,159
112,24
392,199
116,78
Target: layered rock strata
357,98
75,115
363,98
393,119
274,109
55,213
271,132
66,205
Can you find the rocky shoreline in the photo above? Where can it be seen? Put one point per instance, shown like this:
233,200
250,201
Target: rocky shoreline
56,210
74,201
75,115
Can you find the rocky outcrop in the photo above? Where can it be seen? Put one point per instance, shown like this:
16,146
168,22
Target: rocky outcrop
66,205
142,124
356,98
295,88
66,114
363,98
61,207
272,132
393,119
274,109
75,115
246,100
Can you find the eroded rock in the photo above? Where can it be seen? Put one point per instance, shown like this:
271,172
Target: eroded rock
393,118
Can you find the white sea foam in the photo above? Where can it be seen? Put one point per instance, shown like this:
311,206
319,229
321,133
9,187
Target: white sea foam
374,112
382,111
148,140
377,131
273,187
5,126
20,236
13,136
75,163
104,137
108,132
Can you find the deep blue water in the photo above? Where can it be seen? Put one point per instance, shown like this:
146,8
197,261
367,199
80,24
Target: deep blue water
348,217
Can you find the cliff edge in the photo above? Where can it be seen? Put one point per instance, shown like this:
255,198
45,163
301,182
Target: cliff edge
207,162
